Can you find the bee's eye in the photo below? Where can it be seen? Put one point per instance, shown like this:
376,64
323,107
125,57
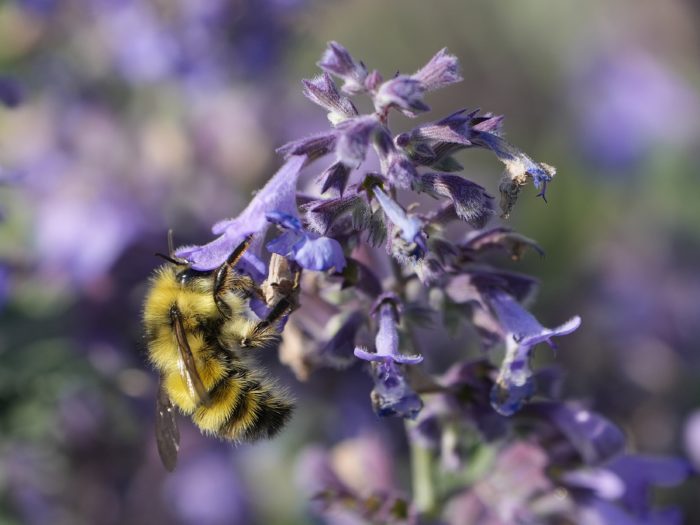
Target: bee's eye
189,275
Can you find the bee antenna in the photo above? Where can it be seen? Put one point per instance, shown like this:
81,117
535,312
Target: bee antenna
170,259
171,248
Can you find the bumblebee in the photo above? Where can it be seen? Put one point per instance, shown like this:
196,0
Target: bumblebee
196,330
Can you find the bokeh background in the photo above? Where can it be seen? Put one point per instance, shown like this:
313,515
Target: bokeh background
137,116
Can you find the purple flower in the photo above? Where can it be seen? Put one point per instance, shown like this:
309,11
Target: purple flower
279,195
322,91
338,61
519,167
410,228
391,395
441,71
514,384
307,249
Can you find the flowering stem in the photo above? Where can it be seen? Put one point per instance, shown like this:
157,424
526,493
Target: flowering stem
424,499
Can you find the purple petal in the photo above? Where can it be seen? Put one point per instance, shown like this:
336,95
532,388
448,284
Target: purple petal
279,194
320,254
441,71
285,220
286,244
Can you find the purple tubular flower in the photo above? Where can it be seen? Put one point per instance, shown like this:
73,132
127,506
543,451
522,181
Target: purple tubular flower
387,340
338,61
402,92
322,91
309,250
441,71
515,384
519,167
279,194
410,227
391,394
471,202
355,135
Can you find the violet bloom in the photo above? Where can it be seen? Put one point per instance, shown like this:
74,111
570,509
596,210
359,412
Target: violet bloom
523,332
309,250
278,195
392,394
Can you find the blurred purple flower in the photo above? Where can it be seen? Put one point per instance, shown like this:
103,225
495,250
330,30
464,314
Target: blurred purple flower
309,250
402,92
623,101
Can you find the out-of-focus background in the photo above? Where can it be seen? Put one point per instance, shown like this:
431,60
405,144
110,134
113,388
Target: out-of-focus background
137,116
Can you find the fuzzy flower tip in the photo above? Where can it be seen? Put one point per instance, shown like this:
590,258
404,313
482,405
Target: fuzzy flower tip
515,383
279,195
309,250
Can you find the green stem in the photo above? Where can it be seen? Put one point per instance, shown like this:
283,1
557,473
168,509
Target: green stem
424,497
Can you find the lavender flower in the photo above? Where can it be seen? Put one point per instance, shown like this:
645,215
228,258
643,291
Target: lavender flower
392,394
523,332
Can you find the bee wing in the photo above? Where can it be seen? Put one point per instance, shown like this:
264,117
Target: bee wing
167,433
188,368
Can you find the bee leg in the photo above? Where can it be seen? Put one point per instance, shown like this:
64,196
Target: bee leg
286,305
226,279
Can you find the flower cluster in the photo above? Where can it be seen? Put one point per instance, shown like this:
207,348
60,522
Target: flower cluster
335,230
